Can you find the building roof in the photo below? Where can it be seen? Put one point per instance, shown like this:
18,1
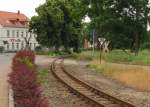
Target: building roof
11,19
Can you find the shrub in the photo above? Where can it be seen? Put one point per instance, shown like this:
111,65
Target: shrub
25,54
145,45
23,57
23,80
38,48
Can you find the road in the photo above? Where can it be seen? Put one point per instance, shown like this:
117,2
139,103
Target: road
5,68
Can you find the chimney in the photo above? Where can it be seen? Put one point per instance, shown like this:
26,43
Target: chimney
18,12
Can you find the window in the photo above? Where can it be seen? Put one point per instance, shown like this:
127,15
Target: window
8,33
13,33
30,35
8,46
17,33
13,46
17,45
35,36
30,45
22,34
26,34
22,45
34,45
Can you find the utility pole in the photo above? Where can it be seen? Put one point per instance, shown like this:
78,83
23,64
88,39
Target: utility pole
93,41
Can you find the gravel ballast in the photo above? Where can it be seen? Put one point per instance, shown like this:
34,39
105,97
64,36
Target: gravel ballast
112,87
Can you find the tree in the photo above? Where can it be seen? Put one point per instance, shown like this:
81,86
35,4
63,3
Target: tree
58,23
123,22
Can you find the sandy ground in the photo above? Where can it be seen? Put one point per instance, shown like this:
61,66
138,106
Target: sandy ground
112,87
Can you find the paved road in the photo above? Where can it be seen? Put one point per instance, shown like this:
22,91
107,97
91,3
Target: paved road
5,68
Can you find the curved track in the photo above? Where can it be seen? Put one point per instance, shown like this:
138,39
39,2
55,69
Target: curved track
84,90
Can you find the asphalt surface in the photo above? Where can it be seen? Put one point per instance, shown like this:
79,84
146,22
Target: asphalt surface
5,69
5,58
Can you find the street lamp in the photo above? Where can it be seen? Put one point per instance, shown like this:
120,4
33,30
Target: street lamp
90,4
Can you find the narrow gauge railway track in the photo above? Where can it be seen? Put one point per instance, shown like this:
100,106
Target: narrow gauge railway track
84,90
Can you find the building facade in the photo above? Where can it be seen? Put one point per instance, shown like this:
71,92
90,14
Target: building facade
14,32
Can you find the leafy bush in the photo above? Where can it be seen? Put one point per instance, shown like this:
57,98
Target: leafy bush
119,56
23,80
23,57
146,45
25,54
24,83
38,48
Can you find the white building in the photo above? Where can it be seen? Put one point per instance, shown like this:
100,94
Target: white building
14,31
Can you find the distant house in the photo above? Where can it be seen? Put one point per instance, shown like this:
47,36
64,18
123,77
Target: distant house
14,31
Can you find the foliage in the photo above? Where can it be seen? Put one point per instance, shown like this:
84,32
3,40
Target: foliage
23,81
38,48
119,56
86,55
123,22
85,32
116,56
58,23
43,75
23,57
145,45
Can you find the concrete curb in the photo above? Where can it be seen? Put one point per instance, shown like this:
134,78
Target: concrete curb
11,98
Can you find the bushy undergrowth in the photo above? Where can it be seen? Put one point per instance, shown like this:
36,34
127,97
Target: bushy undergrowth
23,80
52,53
118,56
146,45
86,55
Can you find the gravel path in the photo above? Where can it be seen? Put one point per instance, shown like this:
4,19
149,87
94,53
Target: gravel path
112,87
56,92
59,96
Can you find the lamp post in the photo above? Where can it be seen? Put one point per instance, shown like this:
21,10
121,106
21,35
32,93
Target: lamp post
93,41
90,4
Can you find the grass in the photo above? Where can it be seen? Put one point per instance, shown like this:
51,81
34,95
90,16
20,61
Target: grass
143,58
51,53
131,75
117,56
118,65
86,55
43,75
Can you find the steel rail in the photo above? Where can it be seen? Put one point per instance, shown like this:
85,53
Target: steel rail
115,102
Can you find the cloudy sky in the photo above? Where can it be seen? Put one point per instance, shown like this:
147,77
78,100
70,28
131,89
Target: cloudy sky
25,6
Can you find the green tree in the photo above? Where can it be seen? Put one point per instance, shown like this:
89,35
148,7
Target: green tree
58,23
123,22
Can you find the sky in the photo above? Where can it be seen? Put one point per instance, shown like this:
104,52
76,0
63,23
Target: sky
25,6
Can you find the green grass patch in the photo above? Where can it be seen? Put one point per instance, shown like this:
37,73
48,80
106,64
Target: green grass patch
51,53
43,75
118,56
86,55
